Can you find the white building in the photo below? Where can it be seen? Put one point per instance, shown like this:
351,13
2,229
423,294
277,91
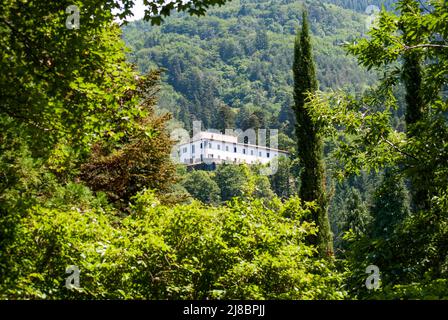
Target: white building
210,147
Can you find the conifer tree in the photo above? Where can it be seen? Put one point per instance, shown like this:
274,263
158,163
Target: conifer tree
353,215
390,205
310,144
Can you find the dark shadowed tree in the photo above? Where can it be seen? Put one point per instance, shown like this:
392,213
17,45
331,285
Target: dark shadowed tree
202,187
390,205
415,103
231,180
225,118
141,160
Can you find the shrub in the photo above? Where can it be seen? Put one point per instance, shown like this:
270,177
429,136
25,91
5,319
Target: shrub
247,250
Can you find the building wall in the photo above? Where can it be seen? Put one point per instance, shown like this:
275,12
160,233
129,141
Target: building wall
222,149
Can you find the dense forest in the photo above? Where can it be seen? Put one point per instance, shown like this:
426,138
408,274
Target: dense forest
93,206
239,56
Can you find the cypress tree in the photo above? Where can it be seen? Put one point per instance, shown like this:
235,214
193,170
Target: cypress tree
310,144
412,79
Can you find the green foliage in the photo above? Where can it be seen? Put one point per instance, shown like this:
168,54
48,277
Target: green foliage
368,140
140,160
412,259
355,214
361,5
202,187
248,250
285,182
350,208
390,205
26,181
231,181
415,94
409,249
73,109
61,86
261,40
428,290
242,181
225,118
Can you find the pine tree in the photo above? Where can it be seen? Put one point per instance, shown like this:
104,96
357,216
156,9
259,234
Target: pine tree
310,144
353,215
390,205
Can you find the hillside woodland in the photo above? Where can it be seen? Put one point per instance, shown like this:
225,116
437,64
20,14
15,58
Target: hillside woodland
359,210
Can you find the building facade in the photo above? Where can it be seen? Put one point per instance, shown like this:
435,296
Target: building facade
210,147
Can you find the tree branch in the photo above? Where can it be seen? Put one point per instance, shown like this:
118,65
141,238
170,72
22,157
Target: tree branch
428,45
398,149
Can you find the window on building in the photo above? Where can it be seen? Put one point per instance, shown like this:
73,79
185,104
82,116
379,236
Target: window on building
201,145
227,148
251,152
192,149
260,154
268,154
234,149
219,147
244,151
210,145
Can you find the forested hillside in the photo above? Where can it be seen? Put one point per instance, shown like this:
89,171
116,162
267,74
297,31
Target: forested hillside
362,5
240,56
93,205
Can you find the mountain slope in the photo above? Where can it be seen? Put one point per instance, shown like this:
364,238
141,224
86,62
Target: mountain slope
240,56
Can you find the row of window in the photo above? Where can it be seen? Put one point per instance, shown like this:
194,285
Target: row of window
210,156
228,159
260,154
